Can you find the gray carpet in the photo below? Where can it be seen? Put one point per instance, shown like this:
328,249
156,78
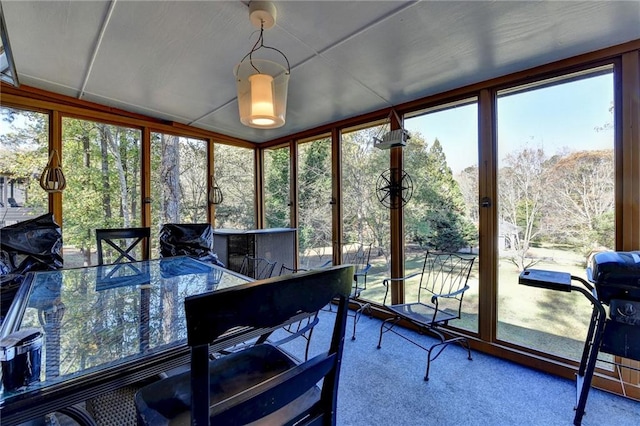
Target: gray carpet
386,387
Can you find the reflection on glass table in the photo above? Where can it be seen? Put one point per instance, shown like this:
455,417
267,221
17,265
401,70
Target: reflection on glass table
107,322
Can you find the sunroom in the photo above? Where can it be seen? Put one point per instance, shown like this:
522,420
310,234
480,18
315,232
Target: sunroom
519,141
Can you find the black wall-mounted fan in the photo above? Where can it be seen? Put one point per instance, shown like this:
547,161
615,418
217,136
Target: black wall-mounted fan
394,188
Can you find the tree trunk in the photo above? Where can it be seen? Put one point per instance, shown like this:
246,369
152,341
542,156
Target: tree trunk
170,175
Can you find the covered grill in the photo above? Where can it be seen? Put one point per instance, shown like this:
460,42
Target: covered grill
616,283
616,276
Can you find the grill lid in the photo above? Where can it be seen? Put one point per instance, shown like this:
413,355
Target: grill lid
616,275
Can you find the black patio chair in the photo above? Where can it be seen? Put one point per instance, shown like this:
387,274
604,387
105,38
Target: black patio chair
309,322
257,267
121,245
188,239
359,258
261,383
442,283
31,245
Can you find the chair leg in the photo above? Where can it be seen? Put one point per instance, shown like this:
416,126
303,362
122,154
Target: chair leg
306,350
358,313
389,322
441,346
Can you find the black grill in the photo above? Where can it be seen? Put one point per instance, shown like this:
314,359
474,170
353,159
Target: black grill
616,275
616,278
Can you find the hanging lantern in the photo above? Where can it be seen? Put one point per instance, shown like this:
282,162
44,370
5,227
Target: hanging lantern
52,178
262,84
215,194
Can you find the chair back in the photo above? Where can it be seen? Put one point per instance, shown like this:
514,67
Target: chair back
286,270
445,274
257,267
121,245
263,304
188,239
358,257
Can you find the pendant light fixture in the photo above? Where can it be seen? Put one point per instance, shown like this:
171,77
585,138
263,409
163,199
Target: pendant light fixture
52,179
215,193
262,83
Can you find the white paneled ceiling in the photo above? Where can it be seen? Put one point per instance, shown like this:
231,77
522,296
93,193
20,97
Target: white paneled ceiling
174,60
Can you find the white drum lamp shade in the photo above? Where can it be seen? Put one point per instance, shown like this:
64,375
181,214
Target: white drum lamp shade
262,93
262,84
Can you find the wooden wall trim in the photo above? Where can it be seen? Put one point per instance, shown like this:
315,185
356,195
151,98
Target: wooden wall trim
258,182
211,210
20,98
145,193
55,142
396,225
294,211
628,139
488,216
337,212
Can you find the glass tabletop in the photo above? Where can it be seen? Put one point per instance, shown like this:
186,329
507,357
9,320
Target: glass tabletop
97,317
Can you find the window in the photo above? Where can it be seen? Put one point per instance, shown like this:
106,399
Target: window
442,159
234,172
102,168
556,202
314,203
179,190
277,184
365,220
24,145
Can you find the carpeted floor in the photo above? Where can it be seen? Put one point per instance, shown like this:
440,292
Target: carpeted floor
385,387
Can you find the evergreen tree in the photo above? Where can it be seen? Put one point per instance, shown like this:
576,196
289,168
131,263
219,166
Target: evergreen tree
277,184
436,217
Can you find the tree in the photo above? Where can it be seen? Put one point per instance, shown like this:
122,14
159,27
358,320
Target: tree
170,179
365,220
193,180
581,207
314,190
468,182
234,173
102,164
522,183
24,143
277,184
435,217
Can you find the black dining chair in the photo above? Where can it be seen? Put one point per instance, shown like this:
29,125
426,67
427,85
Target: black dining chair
304,327
120,245
261,383
359,256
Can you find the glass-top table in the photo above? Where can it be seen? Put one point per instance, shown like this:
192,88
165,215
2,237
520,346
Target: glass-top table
106,327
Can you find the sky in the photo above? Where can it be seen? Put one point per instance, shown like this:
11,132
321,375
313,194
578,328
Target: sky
564,115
